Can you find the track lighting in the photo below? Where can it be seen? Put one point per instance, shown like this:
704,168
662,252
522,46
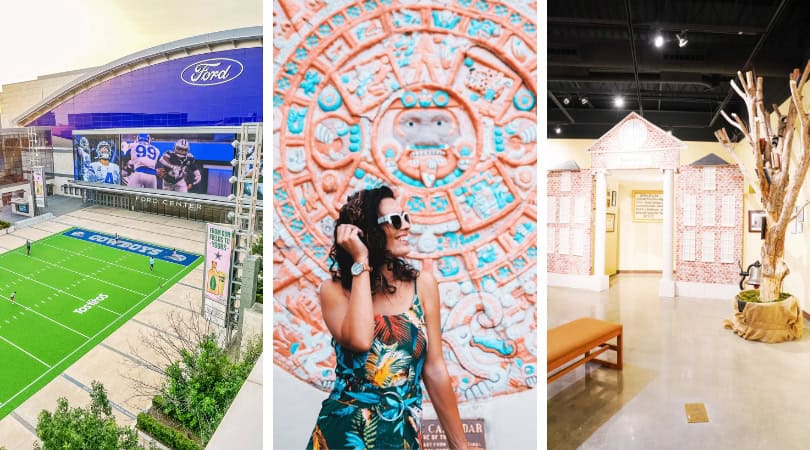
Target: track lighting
618,101
682,40
659,40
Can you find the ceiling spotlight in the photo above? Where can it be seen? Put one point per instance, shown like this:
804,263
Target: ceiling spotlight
566,100
558,129
618,101
682,40
583,100
659,40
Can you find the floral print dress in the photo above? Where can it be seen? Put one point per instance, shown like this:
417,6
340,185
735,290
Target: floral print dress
376,402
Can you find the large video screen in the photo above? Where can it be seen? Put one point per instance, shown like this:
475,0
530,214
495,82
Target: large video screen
97,159
187,163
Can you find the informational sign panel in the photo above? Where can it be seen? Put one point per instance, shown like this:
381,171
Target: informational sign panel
648,206
218,250
38,173
433,436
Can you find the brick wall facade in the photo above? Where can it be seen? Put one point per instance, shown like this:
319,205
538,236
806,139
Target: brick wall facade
690,185
562,260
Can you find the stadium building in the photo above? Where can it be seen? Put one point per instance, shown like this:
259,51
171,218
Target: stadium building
173,130
152,131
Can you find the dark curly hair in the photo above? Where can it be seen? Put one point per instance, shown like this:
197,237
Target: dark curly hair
362,210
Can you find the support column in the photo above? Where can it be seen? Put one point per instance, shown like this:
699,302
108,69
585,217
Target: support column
600,228
666,287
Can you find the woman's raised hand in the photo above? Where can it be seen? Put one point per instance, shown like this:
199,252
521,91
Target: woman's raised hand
348,237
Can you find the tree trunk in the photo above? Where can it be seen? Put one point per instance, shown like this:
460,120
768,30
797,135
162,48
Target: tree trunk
774,269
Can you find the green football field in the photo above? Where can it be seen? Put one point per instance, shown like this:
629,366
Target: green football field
71,293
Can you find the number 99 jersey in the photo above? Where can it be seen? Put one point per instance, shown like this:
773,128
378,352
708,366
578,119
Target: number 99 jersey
143,158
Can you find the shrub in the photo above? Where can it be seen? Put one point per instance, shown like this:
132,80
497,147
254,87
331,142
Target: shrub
164,434
4,224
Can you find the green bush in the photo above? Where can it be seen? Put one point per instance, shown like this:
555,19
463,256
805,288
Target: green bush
167,436
159,403
4,224
201,386
92,427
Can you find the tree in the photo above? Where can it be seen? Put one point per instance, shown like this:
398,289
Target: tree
198,381
780,166
92,427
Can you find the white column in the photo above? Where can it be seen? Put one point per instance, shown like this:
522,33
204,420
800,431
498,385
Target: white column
601,280
667,285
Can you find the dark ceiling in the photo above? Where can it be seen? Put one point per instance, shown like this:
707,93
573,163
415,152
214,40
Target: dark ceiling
598,49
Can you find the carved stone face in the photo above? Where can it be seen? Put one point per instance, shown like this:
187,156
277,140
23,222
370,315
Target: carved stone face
427,137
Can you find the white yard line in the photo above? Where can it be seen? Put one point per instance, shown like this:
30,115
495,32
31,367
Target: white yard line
106,262
57,290
54,321
85,343
23,350
86,275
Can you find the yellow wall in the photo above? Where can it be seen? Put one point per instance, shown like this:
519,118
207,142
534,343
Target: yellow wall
639,242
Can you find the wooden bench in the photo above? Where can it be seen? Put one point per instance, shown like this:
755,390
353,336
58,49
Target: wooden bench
581,341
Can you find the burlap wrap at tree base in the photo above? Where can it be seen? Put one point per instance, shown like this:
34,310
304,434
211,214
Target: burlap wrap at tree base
768,322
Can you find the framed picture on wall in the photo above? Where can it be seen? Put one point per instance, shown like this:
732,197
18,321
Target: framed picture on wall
755,221
610,223
612,198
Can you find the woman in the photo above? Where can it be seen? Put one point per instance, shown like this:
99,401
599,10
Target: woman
384,319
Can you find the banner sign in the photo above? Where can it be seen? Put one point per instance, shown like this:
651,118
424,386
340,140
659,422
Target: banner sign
38,173
433,436
218,249
161,253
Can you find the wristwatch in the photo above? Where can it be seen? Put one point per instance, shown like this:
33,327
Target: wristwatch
358,268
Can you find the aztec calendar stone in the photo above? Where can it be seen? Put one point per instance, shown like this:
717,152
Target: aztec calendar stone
436,99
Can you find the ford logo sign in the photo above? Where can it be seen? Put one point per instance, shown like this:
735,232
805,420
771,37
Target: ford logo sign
210,72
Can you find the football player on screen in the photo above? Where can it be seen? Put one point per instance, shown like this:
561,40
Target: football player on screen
104,171
83,159
178,169
143,158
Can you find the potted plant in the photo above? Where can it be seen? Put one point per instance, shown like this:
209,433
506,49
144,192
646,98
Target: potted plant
781,153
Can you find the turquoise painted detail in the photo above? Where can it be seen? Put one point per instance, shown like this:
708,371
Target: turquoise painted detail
482,5
295,119
319,252
524,100
353,11
496,345
407,18
354,138
297,225
474,97
307,239
283,84
465,151
489,95
354,148
519,263
291,68
532,252
281,195
448,266
301,53
311,81
486,255
530,370
519,362
288,211
416,204
390,153
339,19
278,100
370,5
445,19
439,203
294,347
504,272
324,29
441,99
358,173
330,99
468,62
312,41
483,28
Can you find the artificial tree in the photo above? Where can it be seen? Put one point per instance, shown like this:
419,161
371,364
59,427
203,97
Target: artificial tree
781,148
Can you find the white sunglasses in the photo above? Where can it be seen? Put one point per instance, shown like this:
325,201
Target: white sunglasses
395,219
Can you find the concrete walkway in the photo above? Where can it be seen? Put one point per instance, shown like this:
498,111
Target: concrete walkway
119,354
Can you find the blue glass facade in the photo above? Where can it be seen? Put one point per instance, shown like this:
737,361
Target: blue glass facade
220,88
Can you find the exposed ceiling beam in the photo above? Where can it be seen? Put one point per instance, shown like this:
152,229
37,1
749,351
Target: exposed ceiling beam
612,117
774,18
560,106
664,26
633,53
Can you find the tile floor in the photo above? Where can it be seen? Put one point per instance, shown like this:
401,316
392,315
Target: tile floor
676,351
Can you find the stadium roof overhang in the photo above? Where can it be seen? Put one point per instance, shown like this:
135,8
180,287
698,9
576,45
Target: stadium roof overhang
197,45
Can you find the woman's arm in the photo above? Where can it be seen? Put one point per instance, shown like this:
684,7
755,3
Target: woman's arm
350,318
437,380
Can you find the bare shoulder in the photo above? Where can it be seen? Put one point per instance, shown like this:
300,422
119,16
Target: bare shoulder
428,289
330,291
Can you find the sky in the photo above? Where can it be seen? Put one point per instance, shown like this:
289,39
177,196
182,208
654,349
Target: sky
41,37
